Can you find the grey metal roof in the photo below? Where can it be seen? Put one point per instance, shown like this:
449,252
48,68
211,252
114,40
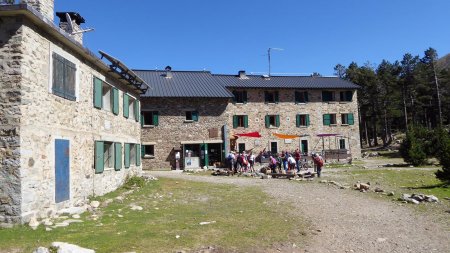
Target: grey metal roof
182,84
287,82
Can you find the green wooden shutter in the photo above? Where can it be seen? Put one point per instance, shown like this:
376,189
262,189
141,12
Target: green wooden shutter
307,119
267,119
235,121
155,118
99,160
266,97
98,93
117,156
244,94
306,97
115,101
350,119
277,120
126,109
297,120
326,119
245,121
138,157
142,150
127,155
277,97
137,110
195,116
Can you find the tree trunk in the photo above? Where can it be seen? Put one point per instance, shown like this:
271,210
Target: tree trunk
404,108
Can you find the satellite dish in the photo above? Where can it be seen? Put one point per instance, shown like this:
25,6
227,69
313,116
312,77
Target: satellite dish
71,30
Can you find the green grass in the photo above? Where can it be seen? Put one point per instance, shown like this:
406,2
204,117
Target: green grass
245,219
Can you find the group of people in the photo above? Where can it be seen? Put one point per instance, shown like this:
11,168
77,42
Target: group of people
287,161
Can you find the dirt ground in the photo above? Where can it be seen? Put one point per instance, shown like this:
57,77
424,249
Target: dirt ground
345,220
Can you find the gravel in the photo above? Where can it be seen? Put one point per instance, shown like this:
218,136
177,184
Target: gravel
348,221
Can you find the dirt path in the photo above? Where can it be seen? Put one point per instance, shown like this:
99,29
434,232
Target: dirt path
347,221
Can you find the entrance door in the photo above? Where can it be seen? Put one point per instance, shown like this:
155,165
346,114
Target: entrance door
62,170
214,153
305,146
342,143
241,147
274,147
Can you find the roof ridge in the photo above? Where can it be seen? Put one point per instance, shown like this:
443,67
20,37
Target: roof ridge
182,71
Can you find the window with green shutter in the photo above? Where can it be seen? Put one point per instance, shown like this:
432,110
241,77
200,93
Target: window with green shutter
195,116
126,104
245,121
351,119
297,120
328,96
240,96
240,121
347,119
326,119
267,121
346,96
271,97
149,118
98,93
272,121
138,157
302,120
301,97
235,121
192,116
118,156
307,119
277,120
99,162
127,155
115,101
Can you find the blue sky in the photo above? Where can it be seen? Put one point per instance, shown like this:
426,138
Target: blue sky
226,36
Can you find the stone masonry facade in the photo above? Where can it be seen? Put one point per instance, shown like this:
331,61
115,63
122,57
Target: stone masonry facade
32,118
287,109
173,128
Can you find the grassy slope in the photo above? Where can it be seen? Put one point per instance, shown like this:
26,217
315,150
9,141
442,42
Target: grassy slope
245,219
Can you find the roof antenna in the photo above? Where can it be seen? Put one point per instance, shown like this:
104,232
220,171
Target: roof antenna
72,32
268,53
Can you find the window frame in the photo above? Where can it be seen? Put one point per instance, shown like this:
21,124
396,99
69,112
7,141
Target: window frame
303,94
144,151
303,118
333,96
345,95
111,155
194,116
153,115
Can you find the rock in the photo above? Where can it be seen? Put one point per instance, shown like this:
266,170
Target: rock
34,224
418,197
73,210
391,194
107,202
177,236
377,189
63,247
120,216
61,224
323,181
413,201
73,221
149,177
76,216
48,229
206,222
381,239
136,208
405,196
95,204
41,250
364,186
6,225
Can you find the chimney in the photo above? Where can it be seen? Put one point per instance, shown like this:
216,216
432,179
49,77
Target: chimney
242,74
71,22
169,72
45,7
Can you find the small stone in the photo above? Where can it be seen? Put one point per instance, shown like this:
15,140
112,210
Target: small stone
391,194
177,236
47,222
66,247
378,189
431,198
323,181
206,222
120,216
34,224
41,250
136,208
48,229
381,239
107,202
76,216
119,199
414,201
95,204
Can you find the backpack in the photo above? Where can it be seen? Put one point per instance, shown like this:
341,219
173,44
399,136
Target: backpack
319,161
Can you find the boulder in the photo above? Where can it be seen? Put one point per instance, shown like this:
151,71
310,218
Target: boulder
95,204
431,198
378,189
63,247
406,197
364,186
391,194
41,250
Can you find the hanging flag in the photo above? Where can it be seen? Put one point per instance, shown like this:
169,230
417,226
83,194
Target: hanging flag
327,135
286,136
251,134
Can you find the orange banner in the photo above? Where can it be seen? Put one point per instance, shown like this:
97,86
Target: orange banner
285,136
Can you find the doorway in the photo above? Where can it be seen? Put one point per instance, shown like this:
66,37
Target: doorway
274,147
304,147
241,147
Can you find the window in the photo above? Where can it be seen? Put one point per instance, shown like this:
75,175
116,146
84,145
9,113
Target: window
241,147
240,96
271,97
105,96
346,96
191,116
107,154
133,153
301,97
274,147
272,121
148,151
329,119
342,143
64,77
240,121
347,119
131,107
150,118
302,120
328,96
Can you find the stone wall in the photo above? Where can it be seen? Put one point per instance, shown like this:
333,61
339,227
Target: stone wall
45,117
256,110
10,98
173,129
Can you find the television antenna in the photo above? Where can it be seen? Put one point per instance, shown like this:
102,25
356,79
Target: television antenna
268,54
72,31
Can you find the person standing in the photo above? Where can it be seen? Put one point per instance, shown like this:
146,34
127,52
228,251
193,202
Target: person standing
230,161
298,157
251,161
318,161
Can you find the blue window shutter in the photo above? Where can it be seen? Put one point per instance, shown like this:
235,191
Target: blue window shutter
350,119
235,121
245,121
195,116
142,150
277,120
118,156
98,93
99,157
127,156
115,101
126,109
297,120
326,119
155,118
267,119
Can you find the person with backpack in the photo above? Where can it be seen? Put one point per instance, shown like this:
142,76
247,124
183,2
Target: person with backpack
230,161
318,161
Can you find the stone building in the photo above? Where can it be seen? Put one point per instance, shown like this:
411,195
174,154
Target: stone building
193,112
69,122
184,113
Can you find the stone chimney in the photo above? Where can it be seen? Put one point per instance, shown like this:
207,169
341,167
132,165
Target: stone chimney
242,74
169,72
71,22
45,7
